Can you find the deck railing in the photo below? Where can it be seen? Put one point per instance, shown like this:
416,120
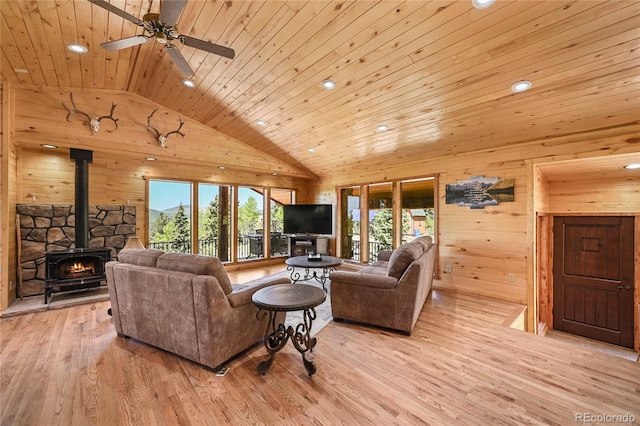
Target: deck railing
249,246
374,248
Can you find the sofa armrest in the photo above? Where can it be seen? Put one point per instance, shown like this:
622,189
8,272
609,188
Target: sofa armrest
384,255
241,294
364,280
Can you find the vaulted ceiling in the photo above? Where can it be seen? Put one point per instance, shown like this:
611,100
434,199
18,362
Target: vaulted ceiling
438,74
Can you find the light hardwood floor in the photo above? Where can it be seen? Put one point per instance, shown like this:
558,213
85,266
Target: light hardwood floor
461,365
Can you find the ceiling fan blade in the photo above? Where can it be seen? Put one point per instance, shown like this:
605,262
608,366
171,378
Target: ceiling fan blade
126,42
103,4
171,10
207,46
179,60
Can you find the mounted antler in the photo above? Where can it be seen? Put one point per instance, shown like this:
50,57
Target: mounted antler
162,139
93,122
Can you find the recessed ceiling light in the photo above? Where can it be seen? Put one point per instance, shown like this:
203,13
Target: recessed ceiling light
312,150
632,166
188,83
48,145
481,4
261,123
77,48
21,71
222,167
521,86
150,158
274,174
329,84
383,128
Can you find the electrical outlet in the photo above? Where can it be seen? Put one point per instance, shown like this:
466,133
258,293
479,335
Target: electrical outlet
512,277
447,268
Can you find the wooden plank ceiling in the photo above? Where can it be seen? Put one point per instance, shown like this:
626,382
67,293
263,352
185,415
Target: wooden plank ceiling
437,73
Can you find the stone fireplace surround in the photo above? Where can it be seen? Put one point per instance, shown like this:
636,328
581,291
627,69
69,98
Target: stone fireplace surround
48,227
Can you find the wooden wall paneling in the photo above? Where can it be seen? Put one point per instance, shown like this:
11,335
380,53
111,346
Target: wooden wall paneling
599,194
4,194
636,280
8,188
41,118
49,176
532,313
364,224
544,273
542,250
484,246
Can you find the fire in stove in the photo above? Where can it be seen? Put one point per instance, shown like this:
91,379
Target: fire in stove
70,270
80,270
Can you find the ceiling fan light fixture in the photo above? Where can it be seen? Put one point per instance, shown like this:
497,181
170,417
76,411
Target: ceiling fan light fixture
482,4
188,83
161,37
77,48
521,86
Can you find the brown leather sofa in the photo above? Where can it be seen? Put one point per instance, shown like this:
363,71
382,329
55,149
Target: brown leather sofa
389,293
184,304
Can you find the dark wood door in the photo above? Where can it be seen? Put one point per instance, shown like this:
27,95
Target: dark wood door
593,278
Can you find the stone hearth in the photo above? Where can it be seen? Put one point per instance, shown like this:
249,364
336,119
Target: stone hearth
48,227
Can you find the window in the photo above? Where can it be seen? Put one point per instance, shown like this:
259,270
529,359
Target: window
250,223
279,241
227,229
418,211
350,223
380,219
396,212
214,221
170,216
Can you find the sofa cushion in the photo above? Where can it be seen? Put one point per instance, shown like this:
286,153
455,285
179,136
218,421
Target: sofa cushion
142,257
425,241
402,257
196,264
374,270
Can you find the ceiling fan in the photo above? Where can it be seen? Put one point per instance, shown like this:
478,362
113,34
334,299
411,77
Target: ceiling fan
162,27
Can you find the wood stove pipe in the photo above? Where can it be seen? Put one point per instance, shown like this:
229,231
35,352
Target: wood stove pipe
82,159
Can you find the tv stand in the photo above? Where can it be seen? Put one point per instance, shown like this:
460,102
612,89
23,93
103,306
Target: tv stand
300,245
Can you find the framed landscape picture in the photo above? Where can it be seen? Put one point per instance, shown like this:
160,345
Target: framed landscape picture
479,191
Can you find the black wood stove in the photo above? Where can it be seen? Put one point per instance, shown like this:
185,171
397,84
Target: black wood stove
76,269
80,267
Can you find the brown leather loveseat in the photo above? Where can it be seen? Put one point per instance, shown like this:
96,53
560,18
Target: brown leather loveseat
389,293
184,304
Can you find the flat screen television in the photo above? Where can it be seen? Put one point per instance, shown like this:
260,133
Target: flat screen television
308,219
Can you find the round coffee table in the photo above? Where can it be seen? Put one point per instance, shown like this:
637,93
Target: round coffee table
288,297
325,264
